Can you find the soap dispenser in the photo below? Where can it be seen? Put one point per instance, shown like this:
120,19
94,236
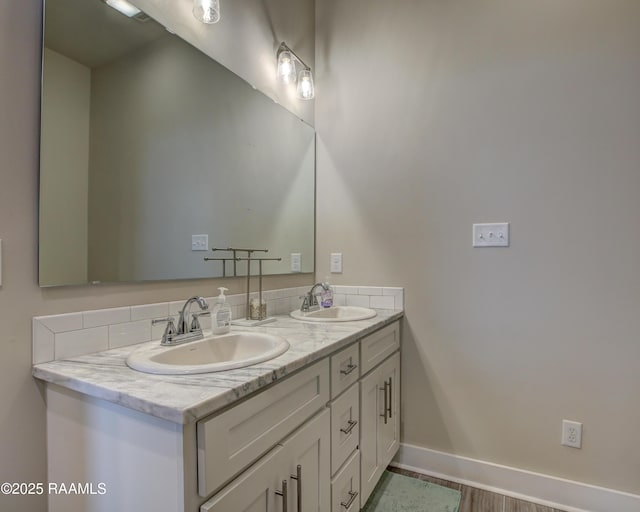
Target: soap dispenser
221,314
326,298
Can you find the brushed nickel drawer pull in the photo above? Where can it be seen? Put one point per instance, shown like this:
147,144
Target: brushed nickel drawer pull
352,496
351,423
350,367
284,494
298,478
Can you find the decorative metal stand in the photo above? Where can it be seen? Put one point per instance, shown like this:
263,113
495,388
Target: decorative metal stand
262,317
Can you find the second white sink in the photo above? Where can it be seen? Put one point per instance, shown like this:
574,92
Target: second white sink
334,314
211,354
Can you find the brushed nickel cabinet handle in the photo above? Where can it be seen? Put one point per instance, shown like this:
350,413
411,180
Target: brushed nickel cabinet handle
298,478
284,494
350,367
390,398
352,496
351,424
386,401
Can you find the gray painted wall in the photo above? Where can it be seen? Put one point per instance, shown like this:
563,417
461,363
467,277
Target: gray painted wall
434,115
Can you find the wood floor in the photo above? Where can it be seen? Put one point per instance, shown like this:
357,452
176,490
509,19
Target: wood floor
478,500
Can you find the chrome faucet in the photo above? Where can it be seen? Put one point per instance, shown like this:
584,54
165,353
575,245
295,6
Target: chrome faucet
309,300
184,331
183,319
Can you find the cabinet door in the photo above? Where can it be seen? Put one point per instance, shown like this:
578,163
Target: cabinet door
379,422
389,433
307,456
255,490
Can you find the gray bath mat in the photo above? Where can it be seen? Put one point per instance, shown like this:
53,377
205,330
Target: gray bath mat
399,493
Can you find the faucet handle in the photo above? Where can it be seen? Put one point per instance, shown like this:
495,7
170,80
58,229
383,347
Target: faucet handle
304,307
195,322
170,331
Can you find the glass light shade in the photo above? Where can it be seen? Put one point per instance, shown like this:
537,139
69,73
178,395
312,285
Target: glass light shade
305,85
286,68
207,11
124,7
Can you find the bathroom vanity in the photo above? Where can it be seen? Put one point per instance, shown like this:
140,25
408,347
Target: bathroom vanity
311,430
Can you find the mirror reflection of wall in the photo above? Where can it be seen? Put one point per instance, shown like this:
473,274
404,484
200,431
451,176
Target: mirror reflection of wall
143,148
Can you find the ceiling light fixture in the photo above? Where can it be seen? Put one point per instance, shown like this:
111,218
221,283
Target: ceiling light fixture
207,11
287,72
124,7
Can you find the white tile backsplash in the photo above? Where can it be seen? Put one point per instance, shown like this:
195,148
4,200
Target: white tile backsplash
346,290
369,290
102,317
149,311
358,300
121,335
83,341
43,343
73,334
382,302
62,323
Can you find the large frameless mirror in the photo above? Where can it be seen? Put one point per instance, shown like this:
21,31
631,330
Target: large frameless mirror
152,151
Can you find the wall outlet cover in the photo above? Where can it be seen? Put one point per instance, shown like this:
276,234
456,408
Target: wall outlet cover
571,433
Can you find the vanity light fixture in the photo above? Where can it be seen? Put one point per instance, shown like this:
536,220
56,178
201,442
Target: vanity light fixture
207,11
287,72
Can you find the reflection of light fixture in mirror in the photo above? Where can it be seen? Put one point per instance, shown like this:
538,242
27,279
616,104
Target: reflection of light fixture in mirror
287,72
124,7
207,11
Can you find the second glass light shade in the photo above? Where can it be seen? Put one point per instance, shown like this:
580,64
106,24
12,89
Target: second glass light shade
305,85
207,11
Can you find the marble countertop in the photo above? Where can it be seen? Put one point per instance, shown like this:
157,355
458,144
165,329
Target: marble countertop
186,398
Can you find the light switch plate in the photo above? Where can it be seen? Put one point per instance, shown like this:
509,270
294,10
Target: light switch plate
491,235
199,242
336,263
296,261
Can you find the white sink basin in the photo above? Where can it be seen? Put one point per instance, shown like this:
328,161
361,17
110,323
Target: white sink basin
334,314
211,354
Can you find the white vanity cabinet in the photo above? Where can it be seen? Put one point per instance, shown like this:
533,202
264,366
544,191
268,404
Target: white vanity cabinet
315,441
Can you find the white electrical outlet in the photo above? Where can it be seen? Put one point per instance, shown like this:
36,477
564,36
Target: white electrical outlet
572,434
199,242
336,263
491,235
296,261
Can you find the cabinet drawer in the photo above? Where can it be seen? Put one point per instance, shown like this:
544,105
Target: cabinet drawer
229,442
345,427
376,347
345,487
344,369
256,485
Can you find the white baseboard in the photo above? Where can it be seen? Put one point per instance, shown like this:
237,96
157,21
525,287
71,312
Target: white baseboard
538,488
